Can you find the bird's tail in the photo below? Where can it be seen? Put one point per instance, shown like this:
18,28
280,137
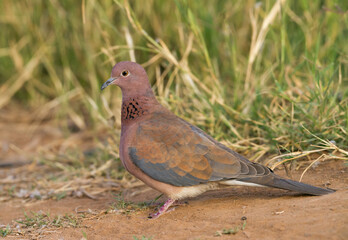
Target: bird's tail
278,182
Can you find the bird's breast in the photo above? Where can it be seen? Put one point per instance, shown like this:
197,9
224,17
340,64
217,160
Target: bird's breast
127,135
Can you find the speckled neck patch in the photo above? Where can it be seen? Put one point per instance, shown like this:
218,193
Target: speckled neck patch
133,108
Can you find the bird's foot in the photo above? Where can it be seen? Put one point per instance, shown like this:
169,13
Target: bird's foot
163,209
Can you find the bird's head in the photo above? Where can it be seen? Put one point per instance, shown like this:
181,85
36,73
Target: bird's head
131,78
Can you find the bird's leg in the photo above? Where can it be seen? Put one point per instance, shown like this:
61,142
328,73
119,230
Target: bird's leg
163,209
153,203
180,203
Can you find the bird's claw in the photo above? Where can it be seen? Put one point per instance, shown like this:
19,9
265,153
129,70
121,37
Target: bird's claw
163,209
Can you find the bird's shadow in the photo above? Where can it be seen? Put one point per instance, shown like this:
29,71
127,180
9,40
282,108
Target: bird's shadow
146,194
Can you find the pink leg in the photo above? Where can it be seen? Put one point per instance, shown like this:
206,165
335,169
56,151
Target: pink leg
163,209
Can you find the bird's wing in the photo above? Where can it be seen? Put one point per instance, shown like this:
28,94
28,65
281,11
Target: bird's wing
171,150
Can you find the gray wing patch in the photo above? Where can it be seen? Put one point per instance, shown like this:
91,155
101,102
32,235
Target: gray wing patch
162,172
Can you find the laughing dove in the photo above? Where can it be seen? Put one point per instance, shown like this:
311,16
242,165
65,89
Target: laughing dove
177,158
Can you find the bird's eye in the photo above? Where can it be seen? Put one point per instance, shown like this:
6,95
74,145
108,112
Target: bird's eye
125,73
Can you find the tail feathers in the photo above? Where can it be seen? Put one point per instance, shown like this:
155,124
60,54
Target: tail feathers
300,187
277,182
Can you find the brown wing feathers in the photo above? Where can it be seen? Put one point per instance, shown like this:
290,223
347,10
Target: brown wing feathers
184,155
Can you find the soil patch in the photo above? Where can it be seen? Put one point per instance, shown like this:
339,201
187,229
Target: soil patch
269,213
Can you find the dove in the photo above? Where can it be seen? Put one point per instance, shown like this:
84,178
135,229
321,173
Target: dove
175,157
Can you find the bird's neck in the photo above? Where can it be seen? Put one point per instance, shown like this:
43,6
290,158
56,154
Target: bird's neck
134,108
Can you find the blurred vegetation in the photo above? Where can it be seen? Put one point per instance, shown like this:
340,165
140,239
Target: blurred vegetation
260,77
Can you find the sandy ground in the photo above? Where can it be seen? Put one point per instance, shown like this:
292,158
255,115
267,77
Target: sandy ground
269,213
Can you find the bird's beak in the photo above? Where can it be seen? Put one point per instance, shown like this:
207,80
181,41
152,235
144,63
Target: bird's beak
108,82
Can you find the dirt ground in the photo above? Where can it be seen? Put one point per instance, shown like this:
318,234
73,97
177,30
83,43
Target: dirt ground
258,213
269,213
